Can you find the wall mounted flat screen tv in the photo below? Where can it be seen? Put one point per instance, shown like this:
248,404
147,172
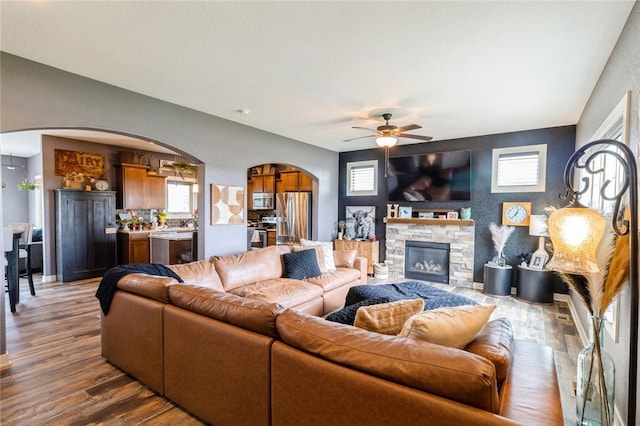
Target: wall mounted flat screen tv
434,176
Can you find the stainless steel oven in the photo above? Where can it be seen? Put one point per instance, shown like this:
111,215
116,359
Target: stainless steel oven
263,201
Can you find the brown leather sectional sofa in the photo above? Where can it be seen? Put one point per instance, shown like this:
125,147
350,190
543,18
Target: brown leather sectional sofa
234,360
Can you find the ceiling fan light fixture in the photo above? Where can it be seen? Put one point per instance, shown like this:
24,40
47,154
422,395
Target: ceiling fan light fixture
387,141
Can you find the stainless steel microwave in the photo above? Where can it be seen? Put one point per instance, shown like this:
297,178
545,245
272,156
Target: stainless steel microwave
263,201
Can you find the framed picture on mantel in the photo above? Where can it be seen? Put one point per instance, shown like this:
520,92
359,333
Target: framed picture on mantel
405,212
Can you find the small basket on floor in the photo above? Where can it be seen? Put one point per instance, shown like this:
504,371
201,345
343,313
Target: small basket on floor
380,270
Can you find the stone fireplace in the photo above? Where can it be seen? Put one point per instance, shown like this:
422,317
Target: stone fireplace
427,261
459,235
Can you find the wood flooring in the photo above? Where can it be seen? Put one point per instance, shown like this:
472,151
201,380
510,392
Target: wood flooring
58,377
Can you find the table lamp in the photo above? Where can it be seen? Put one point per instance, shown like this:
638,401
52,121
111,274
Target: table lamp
538,228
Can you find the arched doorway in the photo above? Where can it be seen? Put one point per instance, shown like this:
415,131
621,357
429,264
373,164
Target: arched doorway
38,150
280,204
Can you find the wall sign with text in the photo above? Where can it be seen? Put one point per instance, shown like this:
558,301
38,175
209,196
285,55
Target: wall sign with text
89,164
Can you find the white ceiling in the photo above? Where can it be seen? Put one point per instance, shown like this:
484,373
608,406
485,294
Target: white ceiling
311,70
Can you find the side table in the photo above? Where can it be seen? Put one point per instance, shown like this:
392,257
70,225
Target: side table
535,285
497,280
365,248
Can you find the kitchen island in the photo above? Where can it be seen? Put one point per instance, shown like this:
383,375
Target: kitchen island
166,247
135,246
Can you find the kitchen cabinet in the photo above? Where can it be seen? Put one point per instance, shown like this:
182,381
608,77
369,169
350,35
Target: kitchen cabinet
138,190
271,237
133,247
264,183
295,181
250,195
85,233
368,249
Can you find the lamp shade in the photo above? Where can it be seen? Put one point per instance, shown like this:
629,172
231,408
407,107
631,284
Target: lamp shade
386,141
575,232
538,225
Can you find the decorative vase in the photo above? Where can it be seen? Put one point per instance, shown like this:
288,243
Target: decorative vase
465,213
501,260
595,381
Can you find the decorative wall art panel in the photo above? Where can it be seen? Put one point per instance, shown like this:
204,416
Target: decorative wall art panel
227,205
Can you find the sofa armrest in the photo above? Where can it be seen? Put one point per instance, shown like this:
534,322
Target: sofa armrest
360,263
530,393
149,286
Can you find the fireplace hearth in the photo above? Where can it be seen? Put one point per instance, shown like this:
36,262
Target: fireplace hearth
427,261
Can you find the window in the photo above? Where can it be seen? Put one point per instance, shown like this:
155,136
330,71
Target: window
362,178
181,198
519,169
615,126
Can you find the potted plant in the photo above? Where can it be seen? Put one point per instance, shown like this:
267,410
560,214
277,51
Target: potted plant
162,218
181,167
25,185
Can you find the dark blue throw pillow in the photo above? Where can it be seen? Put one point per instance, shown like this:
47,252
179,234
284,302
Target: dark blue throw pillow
347,315
300,265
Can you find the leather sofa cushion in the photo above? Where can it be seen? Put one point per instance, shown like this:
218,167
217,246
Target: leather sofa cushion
150,286
250,267
285,291
495,342
448,372
201,273
250,314
336,278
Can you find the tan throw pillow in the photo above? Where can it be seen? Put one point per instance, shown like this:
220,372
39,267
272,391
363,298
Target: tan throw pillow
327,251
387,318
345,258
319,254
452,326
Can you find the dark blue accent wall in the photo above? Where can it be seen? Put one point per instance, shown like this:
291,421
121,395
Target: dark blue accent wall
485,206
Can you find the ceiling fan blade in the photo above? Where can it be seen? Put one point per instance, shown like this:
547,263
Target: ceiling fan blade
422,138
360,137
408,127
363,128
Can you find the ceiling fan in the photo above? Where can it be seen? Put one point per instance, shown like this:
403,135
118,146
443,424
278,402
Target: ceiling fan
388,135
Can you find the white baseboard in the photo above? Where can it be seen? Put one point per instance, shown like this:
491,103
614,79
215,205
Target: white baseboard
5,362
574,316
49,278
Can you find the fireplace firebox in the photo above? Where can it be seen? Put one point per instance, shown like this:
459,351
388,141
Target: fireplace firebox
427,261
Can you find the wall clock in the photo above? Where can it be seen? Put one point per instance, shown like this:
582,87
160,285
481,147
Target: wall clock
516,213
102,185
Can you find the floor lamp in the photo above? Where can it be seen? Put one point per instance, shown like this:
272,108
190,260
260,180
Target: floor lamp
577,262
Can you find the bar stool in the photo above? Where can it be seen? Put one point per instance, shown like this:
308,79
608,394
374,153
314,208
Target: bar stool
25,250
11,248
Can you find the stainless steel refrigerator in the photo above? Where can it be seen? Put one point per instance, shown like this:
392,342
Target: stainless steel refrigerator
293,211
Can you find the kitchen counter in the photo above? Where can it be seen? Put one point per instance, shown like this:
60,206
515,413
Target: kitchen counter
147,231
174,236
